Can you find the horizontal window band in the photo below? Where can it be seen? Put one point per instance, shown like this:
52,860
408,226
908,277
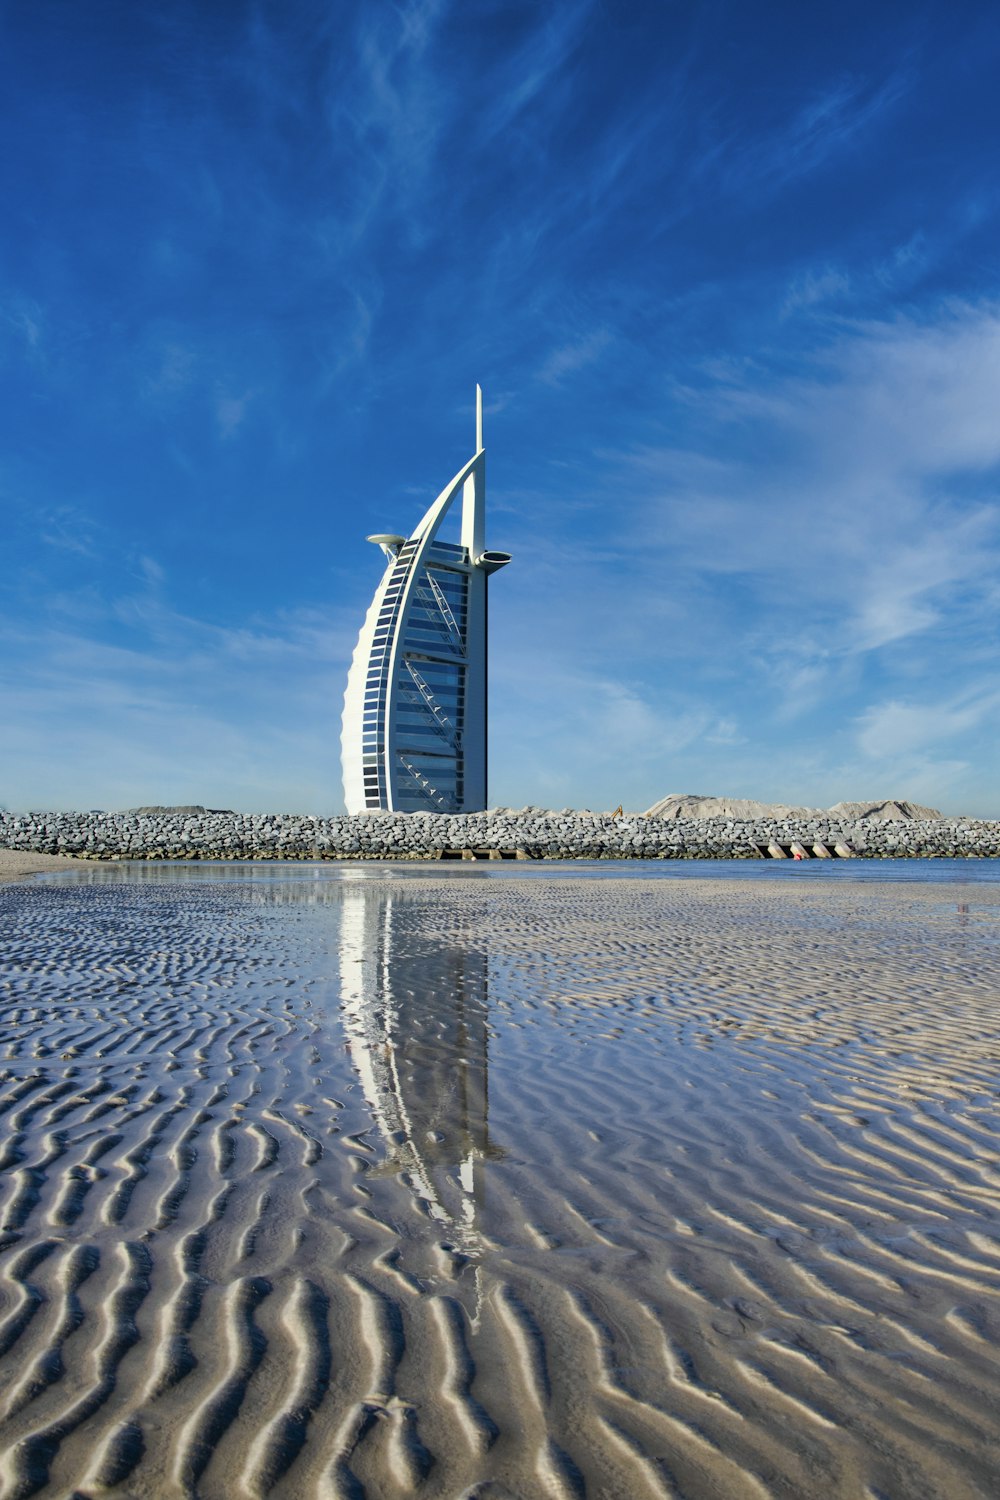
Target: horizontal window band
426,760
446,659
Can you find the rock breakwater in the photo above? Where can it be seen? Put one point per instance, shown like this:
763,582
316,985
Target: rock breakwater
197,834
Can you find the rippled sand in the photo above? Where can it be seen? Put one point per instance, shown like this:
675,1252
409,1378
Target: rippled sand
327,1186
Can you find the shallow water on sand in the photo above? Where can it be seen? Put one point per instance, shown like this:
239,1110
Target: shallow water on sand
367,1181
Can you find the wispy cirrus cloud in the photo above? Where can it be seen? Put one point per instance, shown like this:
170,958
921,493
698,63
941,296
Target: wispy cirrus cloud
816,287
171,707
24,322
570,357
815,131
231,411
825,530
897,728
865,478
932,742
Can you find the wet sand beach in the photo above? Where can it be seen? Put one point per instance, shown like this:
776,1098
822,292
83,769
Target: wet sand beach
357,1183
15,864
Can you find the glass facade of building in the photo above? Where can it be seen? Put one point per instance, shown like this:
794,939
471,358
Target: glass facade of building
427,680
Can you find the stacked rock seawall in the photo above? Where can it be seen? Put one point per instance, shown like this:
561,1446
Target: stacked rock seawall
208,835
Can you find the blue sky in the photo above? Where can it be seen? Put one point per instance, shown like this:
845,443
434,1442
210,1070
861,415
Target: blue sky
729,276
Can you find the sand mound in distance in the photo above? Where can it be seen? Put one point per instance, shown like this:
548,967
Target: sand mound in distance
691,805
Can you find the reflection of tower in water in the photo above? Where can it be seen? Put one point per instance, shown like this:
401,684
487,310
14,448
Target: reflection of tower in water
415,1012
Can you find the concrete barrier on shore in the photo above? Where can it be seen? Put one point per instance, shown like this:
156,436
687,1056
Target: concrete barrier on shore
528,834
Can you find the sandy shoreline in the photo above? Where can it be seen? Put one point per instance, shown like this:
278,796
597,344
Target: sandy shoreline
15,864
363,1186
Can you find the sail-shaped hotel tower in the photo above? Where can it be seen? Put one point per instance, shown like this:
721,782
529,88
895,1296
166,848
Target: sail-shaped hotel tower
414,726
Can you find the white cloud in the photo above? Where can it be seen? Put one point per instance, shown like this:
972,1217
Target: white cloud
832,121
822,552
69,528
815,288
25,318
174,708
230,412
896,728
175,367
862,496
568,358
